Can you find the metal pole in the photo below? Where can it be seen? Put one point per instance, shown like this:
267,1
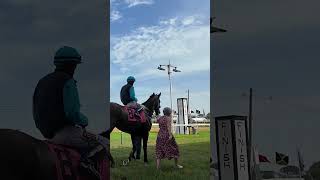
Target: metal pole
170,91
188,108
121,137
169,74
299,159
300,170
250,132
169,66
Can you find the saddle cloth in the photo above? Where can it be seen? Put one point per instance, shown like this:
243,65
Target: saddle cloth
133,117
67,162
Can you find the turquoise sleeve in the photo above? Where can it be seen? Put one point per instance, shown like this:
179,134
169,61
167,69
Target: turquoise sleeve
71,104
133,94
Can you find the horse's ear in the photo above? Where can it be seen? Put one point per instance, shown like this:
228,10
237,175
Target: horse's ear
159,94
153,94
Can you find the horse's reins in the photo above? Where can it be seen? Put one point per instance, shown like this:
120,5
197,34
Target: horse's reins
148,112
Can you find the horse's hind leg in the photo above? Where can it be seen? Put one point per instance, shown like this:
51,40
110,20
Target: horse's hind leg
106,134
145,143
138,140
111,159
131,155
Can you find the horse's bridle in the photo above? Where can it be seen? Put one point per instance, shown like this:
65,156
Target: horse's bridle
149,113
148,110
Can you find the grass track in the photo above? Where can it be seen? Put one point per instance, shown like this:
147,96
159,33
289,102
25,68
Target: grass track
194,156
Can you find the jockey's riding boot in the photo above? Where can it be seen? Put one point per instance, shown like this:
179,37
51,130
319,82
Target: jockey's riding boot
87,166
139,108
137,114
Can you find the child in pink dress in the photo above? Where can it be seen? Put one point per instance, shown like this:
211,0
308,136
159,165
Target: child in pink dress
166,145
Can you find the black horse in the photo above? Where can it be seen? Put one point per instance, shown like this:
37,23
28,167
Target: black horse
24,157
136,147
119,119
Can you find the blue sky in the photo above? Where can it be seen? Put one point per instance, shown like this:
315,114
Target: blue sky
146,33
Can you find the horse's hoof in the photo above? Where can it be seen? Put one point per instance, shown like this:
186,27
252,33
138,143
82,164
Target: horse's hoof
145,164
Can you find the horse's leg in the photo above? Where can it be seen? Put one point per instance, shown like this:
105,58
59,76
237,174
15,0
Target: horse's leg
109,153
138,146
133,147
110,158
106,134
145,143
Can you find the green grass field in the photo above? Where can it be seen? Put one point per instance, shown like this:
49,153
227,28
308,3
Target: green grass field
194,156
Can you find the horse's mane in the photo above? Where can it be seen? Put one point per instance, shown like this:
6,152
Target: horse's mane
149,99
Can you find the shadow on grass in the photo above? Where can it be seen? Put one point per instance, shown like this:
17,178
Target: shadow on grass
194,157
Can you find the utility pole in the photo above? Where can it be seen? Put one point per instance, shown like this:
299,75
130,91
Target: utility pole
188,106
250,132
214,29
250,124
169,66
169,74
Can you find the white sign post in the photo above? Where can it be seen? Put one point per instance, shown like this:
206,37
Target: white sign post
182,119
240,139
225,150
231,132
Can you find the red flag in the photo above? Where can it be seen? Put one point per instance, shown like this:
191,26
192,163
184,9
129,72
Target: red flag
263,158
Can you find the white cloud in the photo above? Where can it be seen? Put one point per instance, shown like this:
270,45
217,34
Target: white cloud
191,20
171,21
115,6
132,3
185,41
115,15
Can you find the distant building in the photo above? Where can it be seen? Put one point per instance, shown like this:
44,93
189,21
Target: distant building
198,118
273,171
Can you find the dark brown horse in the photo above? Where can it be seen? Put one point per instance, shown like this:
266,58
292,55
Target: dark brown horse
119,119
24,157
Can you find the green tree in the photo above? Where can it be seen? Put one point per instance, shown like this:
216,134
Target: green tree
314,171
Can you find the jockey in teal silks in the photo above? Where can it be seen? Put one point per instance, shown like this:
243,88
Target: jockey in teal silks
56,110
128,98
128,95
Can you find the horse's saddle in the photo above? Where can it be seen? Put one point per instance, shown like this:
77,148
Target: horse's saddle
135,114
67,161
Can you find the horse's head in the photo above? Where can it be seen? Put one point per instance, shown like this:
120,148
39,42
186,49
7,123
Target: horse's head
153,103
157,104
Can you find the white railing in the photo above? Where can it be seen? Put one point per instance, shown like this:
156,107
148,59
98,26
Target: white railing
197,125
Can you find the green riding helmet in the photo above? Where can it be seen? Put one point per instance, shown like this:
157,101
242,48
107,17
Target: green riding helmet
67,54
131,79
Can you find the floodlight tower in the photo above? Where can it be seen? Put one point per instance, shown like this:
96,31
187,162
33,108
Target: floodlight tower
214,29
170,69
